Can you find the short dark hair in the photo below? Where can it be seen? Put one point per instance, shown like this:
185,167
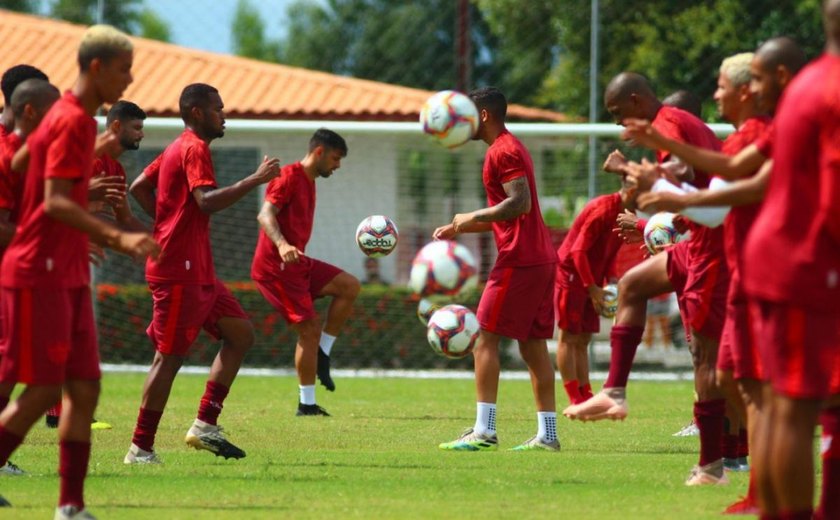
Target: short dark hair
17,75
36,92
782,51
124,111
195,95
328,139
685,100
490,99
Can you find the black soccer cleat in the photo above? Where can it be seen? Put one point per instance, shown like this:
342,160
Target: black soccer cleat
213,440
4,502
311,409
324,371
51,421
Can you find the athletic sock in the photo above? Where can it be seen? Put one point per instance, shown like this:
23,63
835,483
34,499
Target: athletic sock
547,426
326,342
729,446
72,468
55,411
830,453
212,402
146,429
485,419
806,514
307,394
743,443
8,444
573,391
4,402
624,340
709,417
586,391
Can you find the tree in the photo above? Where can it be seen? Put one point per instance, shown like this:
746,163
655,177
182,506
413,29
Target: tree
248,32
22,6
123,14
153,27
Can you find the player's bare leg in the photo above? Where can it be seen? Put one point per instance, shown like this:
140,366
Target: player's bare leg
709,412
77,409
648,279
344,289
829,506
535,354
569,363
5,394
306,364
735,420
582,368
751,396
156,390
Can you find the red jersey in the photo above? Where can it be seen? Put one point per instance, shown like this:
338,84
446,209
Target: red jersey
110,167
44,251
792,254
181,228
589,250
523,241
765,141
293,193
684,127
740,218
11,183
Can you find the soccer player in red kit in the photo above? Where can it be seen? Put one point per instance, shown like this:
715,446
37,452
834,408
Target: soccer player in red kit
695,269
13,77
517,301
289,279
186,294
586,257
791,274
45,275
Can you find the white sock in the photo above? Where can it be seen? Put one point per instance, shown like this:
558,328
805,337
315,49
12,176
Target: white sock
201,425
326,342
547,426
485,419
307,394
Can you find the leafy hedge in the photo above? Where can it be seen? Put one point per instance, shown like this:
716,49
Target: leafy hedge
383,332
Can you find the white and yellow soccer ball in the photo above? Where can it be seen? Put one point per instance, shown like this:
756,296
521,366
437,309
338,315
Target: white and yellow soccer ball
453,331
377,235
443,267
450,118
660,232
610,301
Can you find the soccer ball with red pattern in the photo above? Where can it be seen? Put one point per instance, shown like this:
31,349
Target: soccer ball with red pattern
660,232
450,118
443,267
425,309
377,235
453,331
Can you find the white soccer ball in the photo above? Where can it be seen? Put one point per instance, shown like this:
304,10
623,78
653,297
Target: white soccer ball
453,331
610,301
425,309
660,232
443,267
450,118
377,235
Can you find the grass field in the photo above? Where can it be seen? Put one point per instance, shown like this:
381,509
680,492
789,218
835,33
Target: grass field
377,457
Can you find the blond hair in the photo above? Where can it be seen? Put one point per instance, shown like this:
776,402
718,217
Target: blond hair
103,42
737,68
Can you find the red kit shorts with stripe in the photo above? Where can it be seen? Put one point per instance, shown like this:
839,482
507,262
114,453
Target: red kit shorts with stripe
294,293
518,302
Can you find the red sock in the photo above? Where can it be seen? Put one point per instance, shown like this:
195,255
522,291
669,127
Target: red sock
830,452
4,402
709,417
72,468
624,340
573,391
55,411
586,391
798,515
146,429
729,446
8,444
743,443
212,401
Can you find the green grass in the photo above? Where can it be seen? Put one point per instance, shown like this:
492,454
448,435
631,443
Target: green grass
377,457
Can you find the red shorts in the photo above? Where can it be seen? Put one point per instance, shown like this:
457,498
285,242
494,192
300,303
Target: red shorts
574,310
181,311
701,291
293,294
518,302
800,349
738,353
51,336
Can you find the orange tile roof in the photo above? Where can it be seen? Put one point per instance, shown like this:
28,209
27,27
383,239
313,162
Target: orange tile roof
250,88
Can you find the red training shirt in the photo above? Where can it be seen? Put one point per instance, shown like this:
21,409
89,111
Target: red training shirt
523,241
181,228
44,251
110,167
587,254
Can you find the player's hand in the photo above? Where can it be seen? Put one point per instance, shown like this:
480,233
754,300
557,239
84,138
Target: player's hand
106,143
289,253
461,221
643,174
596,294
615,162
446,232
626,220
137,245
96,254
661,201
629,236
640,132
110,189
267,170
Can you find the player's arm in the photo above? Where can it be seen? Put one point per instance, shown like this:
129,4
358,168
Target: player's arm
143,191
20,161
267,218
7,228
110,189
58,204
728,167
126,218
211,200
517,202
